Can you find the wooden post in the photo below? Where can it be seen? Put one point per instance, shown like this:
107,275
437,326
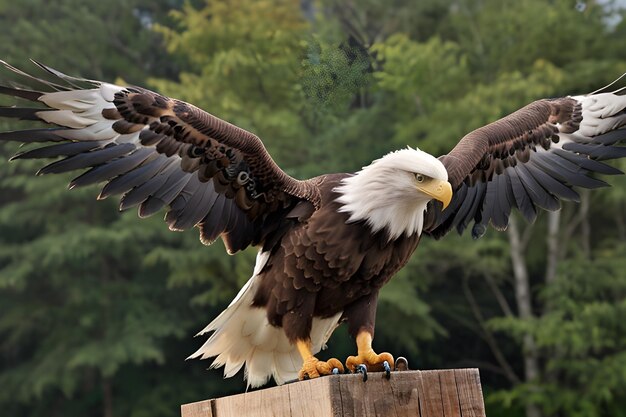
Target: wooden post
445,393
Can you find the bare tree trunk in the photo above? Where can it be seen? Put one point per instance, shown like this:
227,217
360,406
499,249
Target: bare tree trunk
107,398
552,241
524,307
553,257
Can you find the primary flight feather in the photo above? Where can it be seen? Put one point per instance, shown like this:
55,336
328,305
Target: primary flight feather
327,244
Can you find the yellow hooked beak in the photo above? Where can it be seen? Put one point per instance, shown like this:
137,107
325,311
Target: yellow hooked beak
437,189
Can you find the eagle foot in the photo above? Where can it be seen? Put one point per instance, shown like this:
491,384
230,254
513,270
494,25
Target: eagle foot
314,368
372,361
387,369
362,369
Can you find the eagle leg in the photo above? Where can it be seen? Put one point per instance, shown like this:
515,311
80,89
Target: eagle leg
366,355
313,367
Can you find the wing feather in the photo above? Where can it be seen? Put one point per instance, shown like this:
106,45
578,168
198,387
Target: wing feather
212,226
502,205
158,152
165,194
110,169
136,177
140,193
464,209
531,158
486,212
522,199
550,183
35,135
88,159
583,161
62,149
191,205
20,113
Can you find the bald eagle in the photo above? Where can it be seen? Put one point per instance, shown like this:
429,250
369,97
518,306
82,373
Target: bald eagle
326,245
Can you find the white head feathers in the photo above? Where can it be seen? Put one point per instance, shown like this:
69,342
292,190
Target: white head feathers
384,195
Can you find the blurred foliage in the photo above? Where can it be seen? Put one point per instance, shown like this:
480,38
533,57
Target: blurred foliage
97,309
583,337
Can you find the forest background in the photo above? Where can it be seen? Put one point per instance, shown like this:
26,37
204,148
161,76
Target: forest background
98,309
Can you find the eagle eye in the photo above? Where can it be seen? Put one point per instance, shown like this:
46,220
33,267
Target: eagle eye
419,177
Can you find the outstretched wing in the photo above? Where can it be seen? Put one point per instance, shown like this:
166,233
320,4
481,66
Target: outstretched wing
531,158
158,152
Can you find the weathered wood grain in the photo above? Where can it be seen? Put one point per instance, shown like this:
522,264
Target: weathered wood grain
430,394
315,392
445,393
449,394
470,392
199,409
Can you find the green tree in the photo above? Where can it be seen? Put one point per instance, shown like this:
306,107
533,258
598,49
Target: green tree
454,86
80,307
97,308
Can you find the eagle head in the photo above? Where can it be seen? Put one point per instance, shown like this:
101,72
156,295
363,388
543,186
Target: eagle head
393,192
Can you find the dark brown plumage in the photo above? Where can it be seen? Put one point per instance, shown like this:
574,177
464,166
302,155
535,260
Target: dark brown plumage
328,244
325,265
491,169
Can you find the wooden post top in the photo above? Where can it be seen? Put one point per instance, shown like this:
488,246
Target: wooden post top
444,393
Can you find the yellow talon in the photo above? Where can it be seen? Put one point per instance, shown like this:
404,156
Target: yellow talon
367,356
313,367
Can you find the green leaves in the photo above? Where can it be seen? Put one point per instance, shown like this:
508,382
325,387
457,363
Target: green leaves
244,60
581,337
331,76
91,299
425,72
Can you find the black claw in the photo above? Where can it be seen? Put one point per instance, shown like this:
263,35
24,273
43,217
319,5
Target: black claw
402,364
362,369
387,369
306,376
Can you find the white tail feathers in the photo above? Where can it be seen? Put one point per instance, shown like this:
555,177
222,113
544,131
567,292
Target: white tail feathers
242,336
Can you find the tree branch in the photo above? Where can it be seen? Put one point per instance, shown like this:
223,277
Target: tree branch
500,298
579,219
488,336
